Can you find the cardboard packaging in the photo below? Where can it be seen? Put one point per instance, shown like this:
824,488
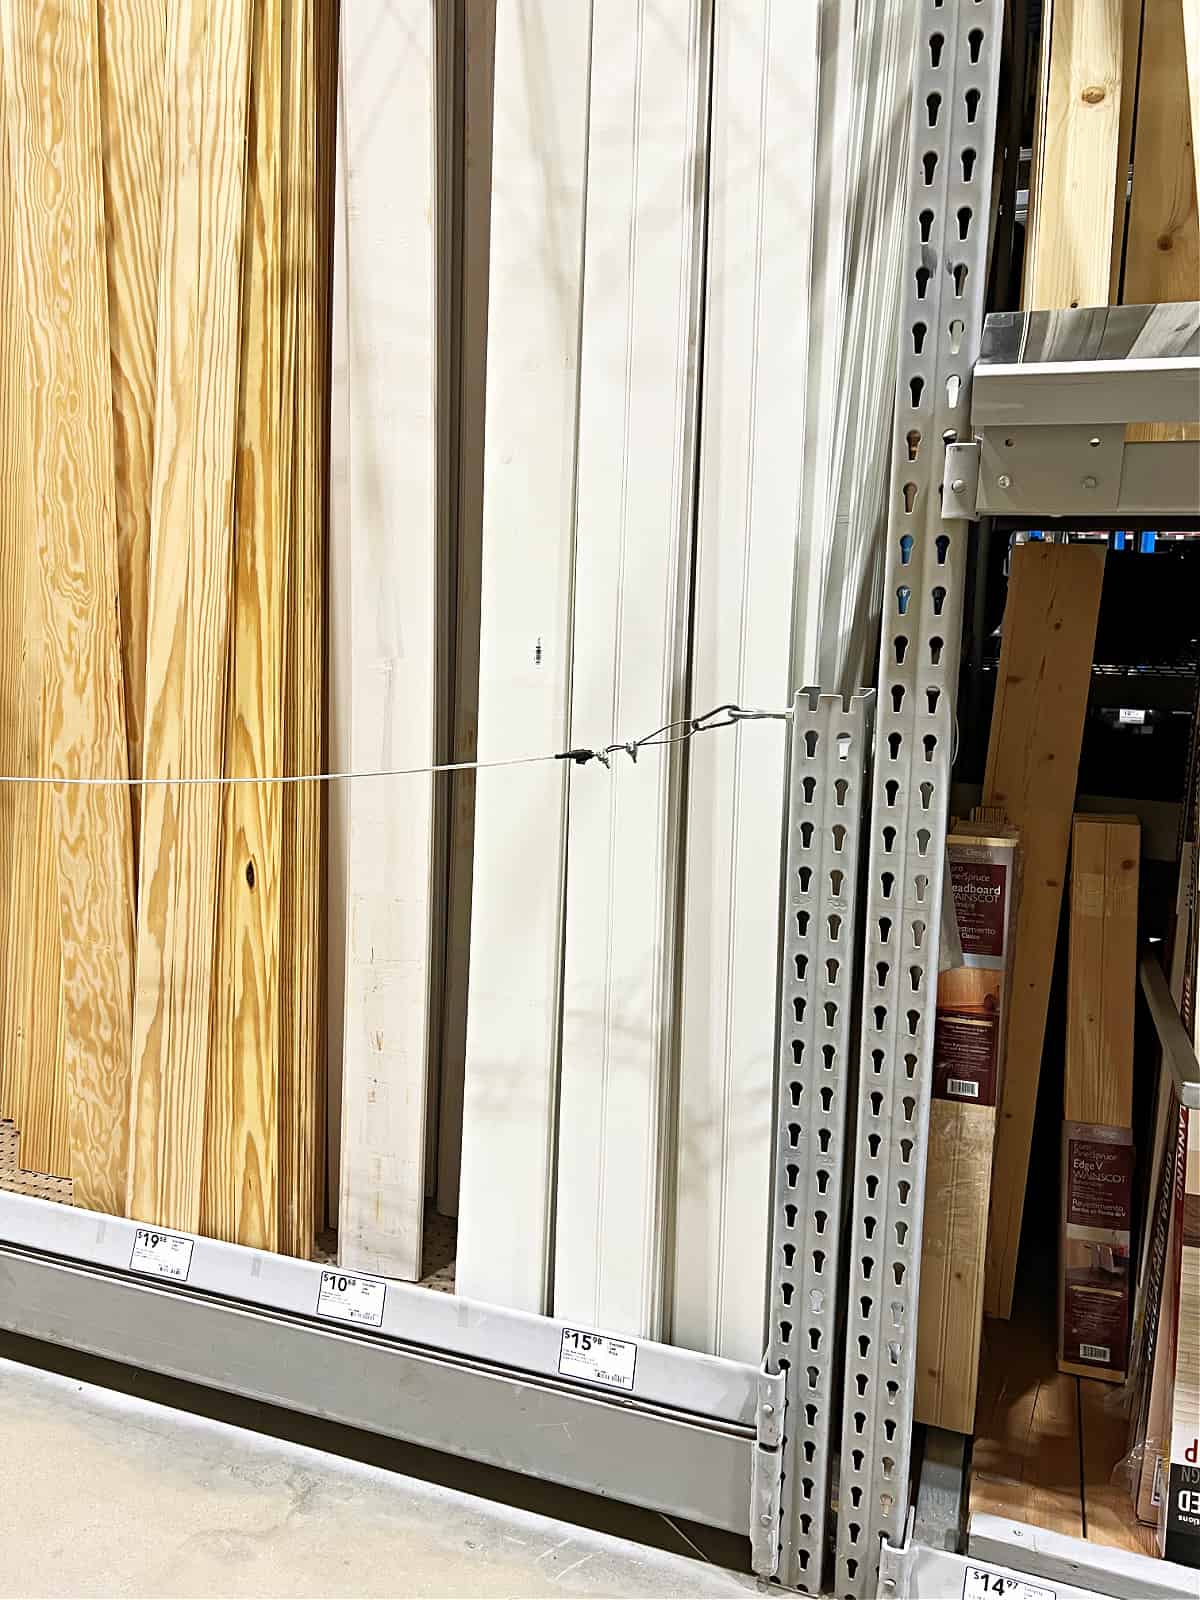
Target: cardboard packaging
968,1052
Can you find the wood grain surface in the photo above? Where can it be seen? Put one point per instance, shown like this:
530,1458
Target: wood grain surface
239,1199
52,76
310,119
199,343
1079,135
1032,767
132,36
1102,976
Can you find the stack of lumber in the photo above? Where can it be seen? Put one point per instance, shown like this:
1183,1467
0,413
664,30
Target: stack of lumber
690,206
163,371
1119,82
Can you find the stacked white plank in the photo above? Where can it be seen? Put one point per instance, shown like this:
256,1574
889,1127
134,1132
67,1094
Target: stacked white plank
634,516
539,166
863,152
385,548
761,191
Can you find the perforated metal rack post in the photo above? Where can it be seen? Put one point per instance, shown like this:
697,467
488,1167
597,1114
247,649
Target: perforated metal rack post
954,113
830,749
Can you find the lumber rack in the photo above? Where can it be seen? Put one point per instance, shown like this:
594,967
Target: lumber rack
716,1441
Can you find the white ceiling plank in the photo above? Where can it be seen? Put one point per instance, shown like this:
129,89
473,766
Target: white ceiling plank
539,161
637,441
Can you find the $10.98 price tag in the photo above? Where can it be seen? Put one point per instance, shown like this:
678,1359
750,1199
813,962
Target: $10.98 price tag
161,1255
597,1359
346,1297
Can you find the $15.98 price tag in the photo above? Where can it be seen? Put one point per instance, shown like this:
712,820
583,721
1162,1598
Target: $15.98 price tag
597,1359
161,1255
347,1297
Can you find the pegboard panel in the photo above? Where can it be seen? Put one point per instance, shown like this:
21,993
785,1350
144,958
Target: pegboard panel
954,112
826,795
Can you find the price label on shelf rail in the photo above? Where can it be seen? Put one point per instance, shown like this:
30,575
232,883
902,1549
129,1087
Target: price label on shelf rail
980,1584
597,1359
161,1255
347,1297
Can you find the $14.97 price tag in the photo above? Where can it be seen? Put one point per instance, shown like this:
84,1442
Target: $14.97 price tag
596,1358
346,1297
161,1255
980,1584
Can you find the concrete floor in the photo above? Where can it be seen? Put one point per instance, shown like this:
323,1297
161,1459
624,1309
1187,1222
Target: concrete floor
110,1493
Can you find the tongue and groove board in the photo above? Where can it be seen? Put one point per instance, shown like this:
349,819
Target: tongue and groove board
761,194
191,588
132,36
239,1190
52,84
643,265
32,1086
310,138
539,162
388,136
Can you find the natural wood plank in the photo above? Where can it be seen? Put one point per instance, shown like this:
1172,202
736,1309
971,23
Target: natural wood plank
1076,167
760,197
1102,977
132,35
1163,253
301,1101
240,1185
1131,45
636,465
1032,766
388,127
952,1263
199,345
15,627
1191,45
535,289
53,95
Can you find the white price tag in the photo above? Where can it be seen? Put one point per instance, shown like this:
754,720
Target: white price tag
161,1255
597,1358
1131,716
980,1584
348,1298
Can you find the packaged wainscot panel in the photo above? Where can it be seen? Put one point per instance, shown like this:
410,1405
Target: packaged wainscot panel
968,1055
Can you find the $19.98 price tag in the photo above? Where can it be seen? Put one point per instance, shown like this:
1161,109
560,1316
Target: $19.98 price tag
347,1297
597,1358
161,1255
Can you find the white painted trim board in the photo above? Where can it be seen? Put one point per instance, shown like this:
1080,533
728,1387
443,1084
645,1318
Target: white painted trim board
387,131
765,61
539,162
637,422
